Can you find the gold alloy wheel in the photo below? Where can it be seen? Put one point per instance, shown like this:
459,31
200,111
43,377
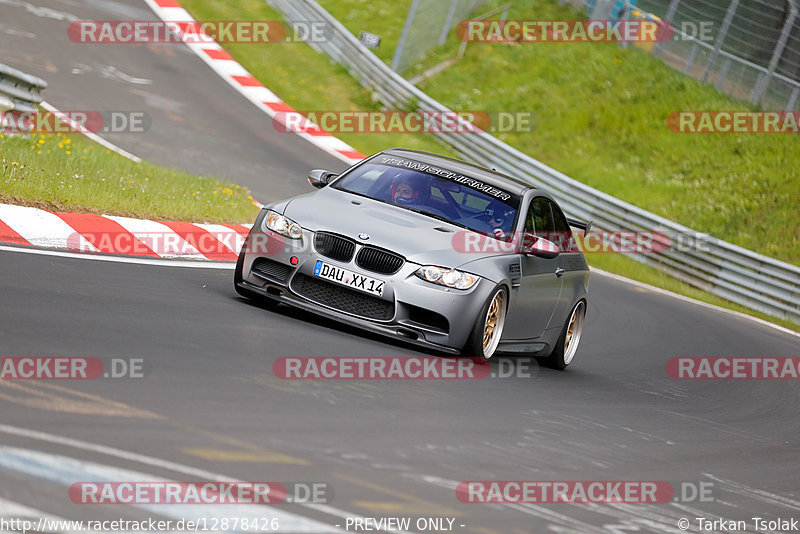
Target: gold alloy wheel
493,325
571,329
573,335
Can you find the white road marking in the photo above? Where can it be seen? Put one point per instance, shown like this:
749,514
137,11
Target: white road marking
14,510
224,265
43,12
67,471
155,462
94,137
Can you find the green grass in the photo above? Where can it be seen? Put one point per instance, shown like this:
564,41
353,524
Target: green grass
71,173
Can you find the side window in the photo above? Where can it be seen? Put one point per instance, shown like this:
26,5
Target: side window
529,228
559,220
540,218
563,235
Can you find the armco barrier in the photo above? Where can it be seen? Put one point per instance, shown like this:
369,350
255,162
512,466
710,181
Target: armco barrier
737,274
19,91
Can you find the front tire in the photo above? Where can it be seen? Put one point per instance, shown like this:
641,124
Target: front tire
238,277
488,327
567,344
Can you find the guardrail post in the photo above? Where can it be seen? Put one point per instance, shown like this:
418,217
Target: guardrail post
19,92
5,105
723,32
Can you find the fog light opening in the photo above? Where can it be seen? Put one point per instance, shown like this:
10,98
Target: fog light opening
408,334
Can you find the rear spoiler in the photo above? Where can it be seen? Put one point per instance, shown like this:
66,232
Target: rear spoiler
580,225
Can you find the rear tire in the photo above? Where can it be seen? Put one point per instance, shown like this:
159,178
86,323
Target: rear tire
567,344
488,327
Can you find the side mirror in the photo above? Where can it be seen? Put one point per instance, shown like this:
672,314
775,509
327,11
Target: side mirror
319,178
539,247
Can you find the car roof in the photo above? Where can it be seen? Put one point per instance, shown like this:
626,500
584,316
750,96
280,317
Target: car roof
494,178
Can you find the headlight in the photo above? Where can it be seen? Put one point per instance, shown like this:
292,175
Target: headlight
283,225
447,277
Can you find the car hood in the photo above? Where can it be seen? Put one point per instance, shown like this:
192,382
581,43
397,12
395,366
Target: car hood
421,239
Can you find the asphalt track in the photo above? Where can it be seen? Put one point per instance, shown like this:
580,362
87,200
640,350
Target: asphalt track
210,402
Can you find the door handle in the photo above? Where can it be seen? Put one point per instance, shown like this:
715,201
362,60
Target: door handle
560,271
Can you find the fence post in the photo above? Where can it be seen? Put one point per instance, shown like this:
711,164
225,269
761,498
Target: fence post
448,22
723,74
690,59
398,52
792,99
760,88
673,7
723,32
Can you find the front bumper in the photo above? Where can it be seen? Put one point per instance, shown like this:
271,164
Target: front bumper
410,309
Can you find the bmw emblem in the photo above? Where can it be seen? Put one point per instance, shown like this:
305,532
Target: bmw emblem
363,236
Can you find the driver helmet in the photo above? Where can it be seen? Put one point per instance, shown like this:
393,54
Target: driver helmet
406,190
498,215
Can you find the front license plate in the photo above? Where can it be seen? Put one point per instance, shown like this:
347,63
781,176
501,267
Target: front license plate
348,278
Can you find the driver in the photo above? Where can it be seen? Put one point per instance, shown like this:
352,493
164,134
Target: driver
499,218
405,191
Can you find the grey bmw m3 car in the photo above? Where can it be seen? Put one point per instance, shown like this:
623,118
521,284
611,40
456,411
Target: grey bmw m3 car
427,249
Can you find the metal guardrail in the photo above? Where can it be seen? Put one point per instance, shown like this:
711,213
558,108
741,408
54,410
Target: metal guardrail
732,272
19,91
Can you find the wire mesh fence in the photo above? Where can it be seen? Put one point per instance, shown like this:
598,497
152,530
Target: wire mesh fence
427,25
749,49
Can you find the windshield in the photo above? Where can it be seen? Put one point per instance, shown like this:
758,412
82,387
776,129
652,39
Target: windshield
436,192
